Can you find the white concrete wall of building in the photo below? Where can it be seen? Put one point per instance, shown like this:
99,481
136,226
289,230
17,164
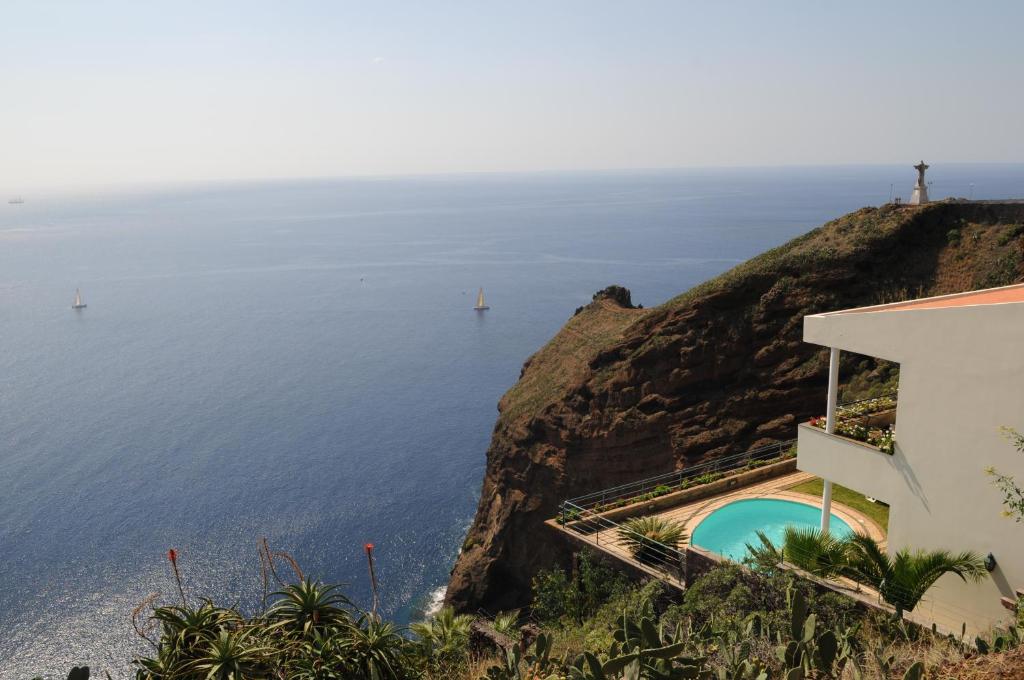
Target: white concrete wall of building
961,380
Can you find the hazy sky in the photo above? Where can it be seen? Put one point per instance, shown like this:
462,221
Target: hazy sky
139,91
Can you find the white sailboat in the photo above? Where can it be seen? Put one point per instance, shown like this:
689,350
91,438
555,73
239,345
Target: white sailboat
480,304
78,304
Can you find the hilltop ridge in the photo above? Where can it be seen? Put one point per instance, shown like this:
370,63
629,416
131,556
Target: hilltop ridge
622,393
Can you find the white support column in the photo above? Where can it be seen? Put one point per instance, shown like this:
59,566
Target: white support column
830,427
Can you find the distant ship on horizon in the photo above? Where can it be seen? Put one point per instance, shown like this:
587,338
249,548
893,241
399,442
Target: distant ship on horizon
78,304
480,304
17,200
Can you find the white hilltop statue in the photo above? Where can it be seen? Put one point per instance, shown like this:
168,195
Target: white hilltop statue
920,195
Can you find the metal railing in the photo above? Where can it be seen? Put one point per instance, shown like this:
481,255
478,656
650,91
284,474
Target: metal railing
885,402
891,393
668,561
583,515
659,485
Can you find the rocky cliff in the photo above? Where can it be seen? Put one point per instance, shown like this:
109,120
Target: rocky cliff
622,393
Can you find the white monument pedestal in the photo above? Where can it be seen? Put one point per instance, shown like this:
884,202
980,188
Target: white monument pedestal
920,195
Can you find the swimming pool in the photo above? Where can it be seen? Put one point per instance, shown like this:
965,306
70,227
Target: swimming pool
728,530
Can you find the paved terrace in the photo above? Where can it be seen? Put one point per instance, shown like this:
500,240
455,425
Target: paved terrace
689,514
692,513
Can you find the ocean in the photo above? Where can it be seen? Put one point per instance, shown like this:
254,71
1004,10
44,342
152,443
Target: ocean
300,361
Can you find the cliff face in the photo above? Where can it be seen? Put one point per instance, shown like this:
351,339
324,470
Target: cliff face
620,393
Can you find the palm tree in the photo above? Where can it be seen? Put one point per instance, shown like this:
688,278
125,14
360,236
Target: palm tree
815,551
652,540
810,549
446,635
764,557
507,623
903,579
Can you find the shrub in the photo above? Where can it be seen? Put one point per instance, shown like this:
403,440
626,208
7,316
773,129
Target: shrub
731,593
564,517
557,596
553,591
635,602
1003,272
1010,233
708,477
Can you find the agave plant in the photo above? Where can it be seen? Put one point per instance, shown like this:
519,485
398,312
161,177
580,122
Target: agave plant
652,540
308,606
903,579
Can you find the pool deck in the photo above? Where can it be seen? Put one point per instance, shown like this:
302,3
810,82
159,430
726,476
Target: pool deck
691,514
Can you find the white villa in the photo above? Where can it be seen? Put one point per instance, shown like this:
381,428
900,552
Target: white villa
961,380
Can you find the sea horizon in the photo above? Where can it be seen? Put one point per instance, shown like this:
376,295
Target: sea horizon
169,185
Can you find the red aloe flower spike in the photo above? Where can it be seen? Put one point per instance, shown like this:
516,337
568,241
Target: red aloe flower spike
172,555
373,576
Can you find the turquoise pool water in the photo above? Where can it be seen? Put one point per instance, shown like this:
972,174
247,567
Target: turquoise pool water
728,530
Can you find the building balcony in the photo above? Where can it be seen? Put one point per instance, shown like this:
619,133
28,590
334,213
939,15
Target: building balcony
840,459
870,421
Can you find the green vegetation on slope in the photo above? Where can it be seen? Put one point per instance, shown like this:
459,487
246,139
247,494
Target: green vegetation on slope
731,624
565,357
836,239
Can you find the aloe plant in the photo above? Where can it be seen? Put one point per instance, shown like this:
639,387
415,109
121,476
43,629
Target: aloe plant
373,648
309,605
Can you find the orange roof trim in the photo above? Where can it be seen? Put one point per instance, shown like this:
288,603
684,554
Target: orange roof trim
991,296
